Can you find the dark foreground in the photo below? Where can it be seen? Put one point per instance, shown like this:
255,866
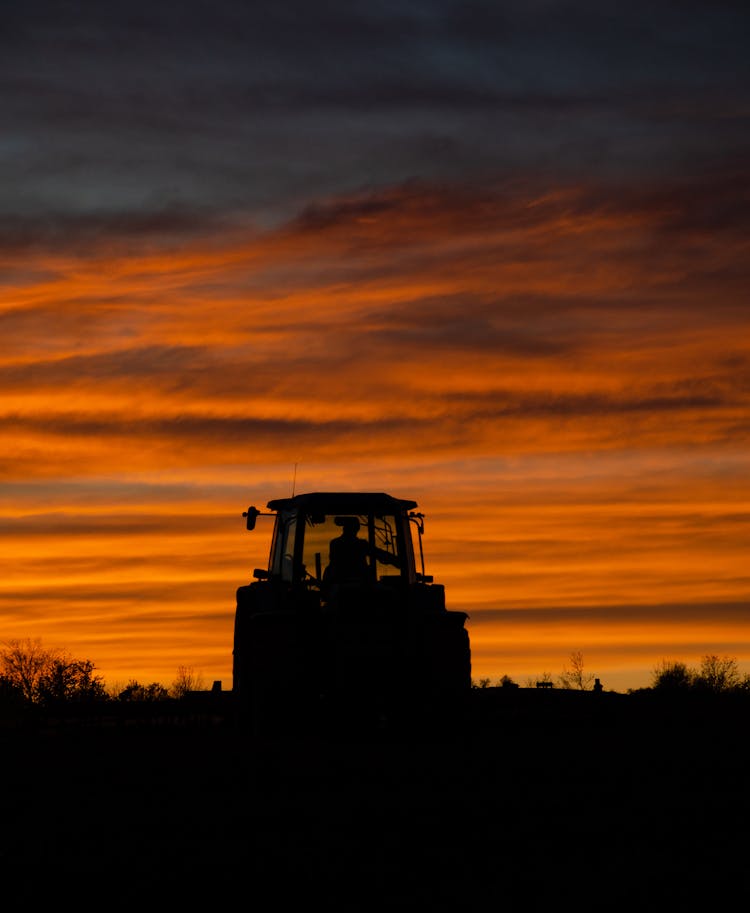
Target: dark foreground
538,803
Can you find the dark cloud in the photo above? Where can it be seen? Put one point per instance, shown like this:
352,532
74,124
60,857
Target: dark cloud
588,405
173,363
70,525
62,493
132,593
680,614
710,201
83,233
261,107
203,430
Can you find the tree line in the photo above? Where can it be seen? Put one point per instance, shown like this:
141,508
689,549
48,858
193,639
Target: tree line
33,674
714,675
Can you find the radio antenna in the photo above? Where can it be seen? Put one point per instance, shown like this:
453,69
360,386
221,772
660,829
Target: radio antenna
294,480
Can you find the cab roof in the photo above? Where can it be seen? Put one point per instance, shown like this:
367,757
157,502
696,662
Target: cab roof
343,502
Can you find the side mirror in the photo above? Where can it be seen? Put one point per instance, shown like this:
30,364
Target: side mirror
252,514
260,574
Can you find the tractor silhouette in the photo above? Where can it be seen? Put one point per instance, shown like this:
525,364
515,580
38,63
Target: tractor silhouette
344,628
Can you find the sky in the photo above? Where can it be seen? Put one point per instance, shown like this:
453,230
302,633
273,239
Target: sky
491,257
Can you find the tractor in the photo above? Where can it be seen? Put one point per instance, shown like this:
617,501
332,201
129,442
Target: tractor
344,627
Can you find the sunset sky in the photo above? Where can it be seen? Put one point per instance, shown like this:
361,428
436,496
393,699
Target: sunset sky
494,257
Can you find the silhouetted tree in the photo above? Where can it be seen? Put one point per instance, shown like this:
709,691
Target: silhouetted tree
23,663
71,680
186,681
717,674
544,677
482,683
575,677
134,691
43,674
672,676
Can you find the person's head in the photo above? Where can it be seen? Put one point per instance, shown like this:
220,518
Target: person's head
349,525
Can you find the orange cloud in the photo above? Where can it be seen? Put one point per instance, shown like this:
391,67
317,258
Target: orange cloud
560,377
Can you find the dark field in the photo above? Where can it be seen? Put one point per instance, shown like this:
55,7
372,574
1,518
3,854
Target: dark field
541,801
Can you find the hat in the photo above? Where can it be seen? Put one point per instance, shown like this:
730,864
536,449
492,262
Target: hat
347,522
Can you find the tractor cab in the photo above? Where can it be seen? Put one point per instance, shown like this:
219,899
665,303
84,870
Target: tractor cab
323,542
